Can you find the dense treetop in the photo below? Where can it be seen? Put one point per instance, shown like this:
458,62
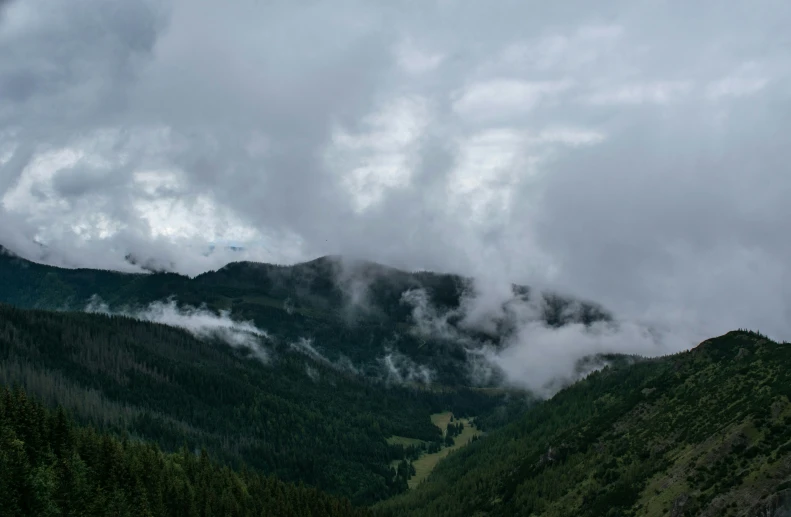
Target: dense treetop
299,418
706,432
49,466
353,308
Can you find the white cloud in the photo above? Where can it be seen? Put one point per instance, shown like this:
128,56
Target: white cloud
545,359
34,185
400,369
493,164
415,60
735,86
490,164
342,364
190,216
152,183
567,51
538,357
384,155
199,321
96,226
571,136
497,97
660,92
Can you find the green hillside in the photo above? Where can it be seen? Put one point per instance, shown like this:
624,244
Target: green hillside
298,418
50,467
704,433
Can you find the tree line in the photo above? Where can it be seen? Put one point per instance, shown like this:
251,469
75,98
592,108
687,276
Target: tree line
162,384
49,466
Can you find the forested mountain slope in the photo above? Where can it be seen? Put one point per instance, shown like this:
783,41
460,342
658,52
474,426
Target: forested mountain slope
294,416
49,466
350,308
703,433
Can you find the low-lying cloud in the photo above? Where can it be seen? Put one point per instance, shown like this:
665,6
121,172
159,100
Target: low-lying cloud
199,321
544,359
305,346
400,369
427,320
393,367
527,352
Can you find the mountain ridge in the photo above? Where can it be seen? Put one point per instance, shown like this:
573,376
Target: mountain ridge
703,432
326,264
347,306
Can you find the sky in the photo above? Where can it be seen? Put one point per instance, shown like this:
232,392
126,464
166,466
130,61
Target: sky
630,152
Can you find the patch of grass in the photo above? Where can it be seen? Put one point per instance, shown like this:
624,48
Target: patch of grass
496,391
426,463
403,440
442,420
279,304
465,436
656,500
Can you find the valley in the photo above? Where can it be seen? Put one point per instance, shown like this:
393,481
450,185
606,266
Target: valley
163,384
429,455
359,407
395,258
427,462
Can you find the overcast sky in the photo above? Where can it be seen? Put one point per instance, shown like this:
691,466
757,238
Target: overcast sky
634,152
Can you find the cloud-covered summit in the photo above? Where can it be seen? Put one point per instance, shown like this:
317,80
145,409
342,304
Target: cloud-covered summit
633,153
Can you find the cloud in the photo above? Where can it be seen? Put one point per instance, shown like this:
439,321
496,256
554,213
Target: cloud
312,373
305,346
426,319
582,48
384,155
629,153
401,369
498,97
570,136
391,367
661,92
200,322
528,350
415,60
736,87
544,359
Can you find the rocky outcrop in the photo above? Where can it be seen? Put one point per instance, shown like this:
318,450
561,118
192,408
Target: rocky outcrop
549,456
777,505
743,352
678,505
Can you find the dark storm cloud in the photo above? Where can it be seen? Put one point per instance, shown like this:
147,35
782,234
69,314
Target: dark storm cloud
631,152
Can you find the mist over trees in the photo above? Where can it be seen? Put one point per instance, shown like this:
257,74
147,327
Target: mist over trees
163,384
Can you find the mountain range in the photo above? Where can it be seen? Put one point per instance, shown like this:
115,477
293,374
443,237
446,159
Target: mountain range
357,379
352,309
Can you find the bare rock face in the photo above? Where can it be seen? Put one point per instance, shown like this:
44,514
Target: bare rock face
549,456
678,505
777,505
